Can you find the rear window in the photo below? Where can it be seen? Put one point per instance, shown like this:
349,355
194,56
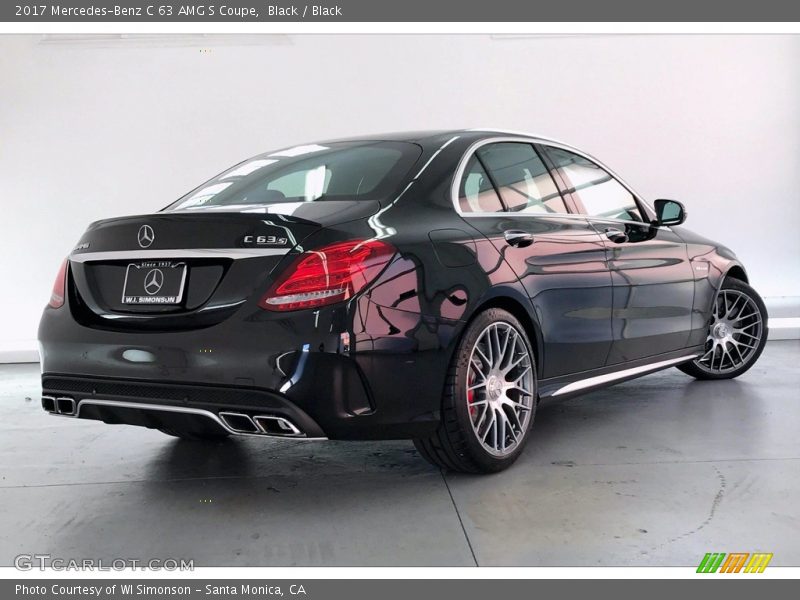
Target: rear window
310,173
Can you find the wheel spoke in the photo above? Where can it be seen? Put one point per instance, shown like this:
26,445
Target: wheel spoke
516,425
518,405
755,326
478,370
494,339
737,343
743,332
501,430
481,419
726,353
739,352
495,432
519,389
504,349
748,316
489,424
732,308
724,306
486,360
525,371
515,363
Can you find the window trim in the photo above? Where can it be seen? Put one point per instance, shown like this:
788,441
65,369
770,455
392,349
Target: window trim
536,143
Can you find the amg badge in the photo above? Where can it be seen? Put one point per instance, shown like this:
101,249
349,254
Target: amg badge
264,240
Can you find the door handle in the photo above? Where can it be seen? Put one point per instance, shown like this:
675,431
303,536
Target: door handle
517,238
616,235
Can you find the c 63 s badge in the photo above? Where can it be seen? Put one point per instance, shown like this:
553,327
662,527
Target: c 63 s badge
264,240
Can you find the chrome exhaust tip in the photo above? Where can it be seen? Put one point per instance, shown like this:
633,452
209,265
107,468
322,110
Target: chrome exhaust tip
49,404
65,406
277,426
238,422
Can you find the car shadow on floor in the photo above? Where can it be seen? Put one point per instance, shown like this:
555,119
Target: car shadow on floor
253,502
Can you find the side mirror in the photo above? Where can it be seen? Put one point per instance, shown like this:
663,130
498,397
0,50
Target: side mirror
669,212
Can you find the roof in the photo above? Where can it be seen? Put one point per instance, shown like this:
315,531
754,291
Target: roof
428,135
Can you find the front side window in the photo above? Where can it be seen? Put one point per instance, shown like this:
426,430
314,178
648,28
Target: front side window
595,189
336,171
522,180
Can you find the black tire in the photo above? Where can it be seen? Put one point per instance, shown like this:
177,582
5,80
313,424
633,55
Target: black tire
455,445
196,436
700,371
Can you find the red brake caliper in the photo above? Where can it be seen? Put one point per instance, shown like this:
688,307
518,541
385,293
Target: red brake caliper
471,394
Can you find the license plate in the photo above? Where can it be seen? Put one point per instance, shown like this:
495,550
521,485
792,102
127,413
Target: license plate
154,282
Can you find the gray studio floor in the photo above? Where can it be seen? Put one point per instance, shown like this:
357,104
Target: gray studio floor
656,471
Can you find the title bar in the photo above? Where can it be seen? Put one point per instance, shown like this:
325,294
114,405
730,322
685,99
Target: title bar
464,11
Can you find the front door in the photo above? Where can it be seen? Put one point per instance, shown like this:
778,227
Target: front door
652,277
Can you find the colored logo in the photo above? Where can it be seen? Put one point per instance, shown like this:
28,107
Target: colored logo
735,562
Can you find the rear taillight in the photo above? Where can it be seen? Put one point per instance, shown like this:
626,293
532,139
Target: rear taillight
328,275
59,287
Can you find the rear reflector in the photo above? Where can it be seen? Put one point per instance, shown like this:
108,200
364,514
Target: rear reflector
59,287
328,275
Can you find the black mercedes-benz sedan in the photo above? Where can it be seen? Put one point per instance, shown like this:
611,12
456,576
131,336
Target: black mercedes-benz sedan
433,286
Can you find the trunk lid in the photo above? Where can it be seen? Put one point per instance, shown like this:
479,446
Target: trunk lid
188,269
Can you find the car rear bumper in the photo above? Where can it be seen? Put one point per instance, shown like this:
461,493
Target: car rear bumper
324,375
194,408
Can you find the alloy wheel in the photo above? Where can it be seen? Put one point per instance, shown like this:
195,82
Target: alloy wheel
735,333
500,388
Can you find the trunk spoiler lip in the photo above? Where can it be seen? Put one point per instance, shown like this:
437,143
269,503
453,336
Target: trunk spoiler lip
232,253
163,216
245,213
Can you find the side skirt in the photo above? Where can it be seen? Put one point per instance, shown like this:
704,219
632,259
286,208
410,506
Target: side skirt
576,384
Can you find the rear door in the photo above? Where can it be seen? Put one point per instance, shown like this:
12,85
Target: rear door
507,193
652,276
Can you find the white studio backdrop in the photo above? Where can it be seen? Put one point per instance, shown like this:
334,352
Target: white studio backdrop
99,126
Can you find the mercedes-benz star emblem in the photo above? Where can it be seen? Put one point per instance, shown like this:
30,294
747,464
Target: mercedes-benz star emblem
146,236
153,281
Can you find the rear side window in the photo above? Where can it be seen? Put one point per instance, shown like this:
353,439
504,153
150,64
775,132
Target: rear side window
476,193
595,189
336,171
522,180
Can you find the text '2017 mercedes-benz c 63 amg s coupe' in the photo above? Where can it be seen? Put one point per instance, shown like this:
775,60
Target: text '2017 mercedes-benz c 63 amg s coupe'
434,286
